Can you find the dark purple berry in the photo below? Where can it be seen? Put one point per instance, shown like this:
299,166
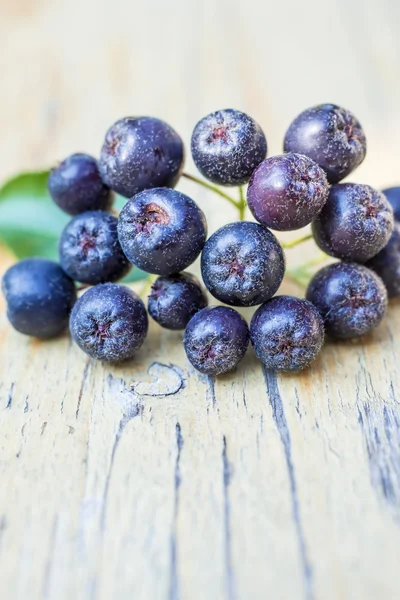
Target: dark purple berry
287,192
393,195
89,249
331,136
350,298
287,333
216,339
175,299
162,231
242,264
227,145
109,322
387,263
140,153
76,186
355,223
39,297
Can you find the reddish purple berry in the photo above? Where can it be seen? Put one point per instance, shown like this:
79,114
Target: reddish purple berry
287,192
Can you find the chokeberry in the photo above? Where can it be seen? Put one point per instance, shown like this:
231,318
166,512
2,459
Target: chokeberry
140,153
216,339
350,298
387,263
242,264
287,333
287,192
355,223
39,297
227,145
109,322
162,231
393,195
175,299
89,249
76,186
331,136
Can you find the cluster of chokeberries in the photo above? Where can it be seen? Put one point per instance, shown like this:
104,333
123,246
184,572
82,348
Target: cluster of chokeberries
162,231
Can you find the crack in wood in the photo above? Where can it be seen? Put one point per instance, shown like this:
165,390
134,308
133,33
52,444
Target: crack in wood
133,411
279,417
227,474
381,433
296,393
168,380
10,396
211,390
85,372
174,584
49,562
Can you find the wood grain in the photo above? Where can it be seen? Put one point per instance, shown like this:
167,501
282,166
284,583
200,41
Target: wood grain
147,480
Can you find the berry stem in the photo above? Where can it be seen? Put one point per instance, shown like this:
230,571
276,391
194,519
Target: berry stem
294,243
213,188
242,204
303,273
317,260
295,275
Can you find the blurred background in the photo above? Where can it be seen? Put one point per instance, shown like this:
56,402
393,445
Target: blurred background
70,69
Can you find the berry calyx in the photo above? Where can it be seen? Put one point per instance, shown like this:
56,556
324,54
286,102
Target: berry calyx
162,231
227,145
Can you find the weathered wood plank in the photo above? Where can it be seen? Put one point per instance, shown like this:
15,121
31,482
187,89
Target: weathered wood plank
151,481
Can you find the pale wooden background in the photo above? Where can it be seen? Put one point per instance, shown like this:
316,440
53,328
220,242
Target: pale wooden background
247,487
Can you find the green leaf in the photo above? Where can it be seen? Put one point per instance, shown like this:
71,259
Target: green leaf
30,222
135,275
119,202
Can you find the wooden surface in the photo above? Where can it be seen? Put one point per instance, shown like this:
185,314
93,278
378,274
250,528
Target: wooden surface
148,481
